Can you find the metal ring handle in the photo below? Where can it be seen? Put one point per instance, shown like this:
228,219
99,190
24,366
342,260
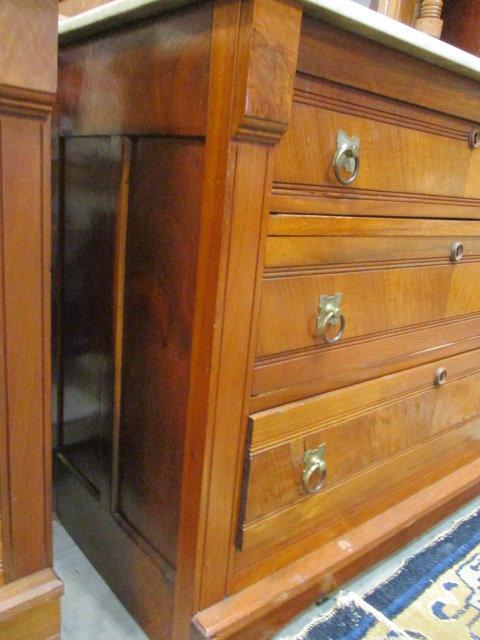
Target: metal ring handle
318,466
345,151
327,320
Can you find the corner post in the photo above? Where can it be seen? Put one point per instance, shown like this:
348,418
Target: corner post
252,72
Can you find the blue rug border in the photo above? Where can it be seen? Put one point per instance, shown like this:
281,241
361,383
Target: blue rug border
395,594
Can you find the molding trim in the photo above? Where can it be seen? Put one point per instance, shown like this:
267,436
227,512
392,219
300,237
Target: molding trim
26,101
261,607
27,593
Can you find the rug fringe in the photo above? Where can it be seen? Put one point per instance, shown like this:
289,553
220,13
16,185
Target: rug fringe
347,599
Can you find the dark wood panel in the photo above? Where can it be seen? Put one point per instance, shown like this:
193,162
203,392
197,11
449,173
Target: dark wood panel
88,240
161,256
461,20
151,77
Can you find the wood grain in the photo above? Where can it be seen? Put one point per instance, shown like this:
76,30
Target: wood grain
380,431
379,487
460,24
135,81
30,607
393,157
373,301
161,254
29,66
255,612
345,58
287,378
237,179
305,241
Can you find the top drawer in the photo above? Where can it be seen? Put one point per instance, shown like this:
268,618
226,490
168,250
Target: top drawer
408,155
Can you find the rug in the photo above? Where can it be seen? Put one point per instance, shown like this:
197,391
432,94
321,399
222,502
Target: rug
434,595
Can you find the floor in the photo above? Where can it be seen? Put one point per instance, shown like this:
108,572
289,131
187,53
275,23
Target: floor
90,610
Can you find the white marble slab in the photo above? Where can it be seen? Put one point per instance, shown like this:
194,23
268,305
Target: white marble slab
346,14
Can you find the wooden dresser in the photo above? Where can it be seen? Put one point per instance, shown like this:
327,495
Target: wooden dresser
269,342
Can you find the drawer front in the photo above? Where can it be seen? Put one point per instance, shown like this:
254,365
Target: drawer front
403,149
376,436
304,242
392,274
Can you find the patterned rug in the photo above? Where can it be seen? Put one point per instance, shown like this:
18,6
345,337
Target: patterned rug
434,595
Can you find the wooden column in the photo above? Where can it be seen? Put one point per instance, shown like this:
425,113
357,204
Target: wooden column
28,80
249,110
430,18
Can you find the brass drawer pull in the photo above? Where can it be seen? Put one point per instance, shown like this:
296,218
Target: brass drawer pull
329,315
314,465
456,251
346,157
440,376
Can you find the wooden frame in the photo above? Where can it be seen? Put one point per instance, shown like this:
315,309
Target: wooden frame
30,601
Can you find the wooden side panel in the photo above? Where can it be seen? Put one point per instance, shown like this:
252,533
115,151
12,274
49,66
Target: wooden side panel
151,78
87,247
25,342
161,254
29,55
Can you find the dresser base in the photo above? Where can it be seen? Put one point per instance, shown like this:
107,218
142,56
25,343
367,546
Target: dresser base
260,609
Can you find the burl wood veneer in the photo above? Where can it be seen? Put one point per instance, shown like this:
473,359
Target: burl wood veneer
200,222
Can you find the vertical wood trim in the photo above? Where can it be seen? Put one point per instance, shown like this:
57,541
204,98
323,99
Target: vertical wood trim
26,341
121,224
45,274
233,229
5,508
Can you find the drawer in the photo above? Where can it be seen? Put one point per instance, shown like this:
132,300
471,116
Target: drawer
392,274
403,149
376,437
308,241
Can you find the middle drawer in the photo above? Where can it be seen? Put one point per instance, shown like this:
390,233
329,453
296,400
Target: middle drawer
395,277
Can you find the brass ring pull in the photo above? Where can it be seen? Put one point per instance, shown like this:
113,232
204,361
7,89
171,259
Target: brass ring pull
346,157
330,318
314,464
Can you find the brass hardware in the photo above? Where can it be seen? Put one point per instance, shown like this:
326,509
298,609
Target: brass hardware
314,465
329,315
440,376
474,138
456,251
347,157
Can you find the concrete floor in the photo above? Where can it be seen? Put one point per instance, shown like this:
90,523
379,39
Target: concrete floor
90,610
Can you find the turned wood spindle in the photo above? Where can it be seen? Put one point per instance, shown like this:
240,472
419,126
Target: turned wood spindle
430,18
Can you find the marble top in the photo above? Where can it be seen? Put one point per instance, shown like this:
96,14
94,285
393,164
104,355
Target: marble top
346,14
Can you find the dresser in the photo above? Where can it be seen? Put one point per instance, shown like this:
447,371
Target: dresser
269,309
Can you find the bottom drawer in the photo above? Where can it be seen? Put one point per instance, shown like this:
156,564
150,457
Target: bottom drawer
372,438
